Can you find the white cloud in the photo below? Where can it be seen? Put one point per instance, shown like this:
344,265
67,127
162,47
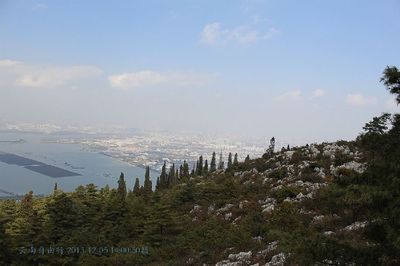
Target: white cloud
213,34
318,93
359,100
8,63
44,76
147,78
242,34
294,95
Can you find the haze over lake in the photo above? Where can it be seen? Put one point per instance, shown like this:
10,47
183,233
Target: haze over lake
92,167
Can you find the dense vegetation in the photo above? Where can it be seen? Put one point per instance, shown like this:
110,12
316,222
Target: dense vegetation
326,204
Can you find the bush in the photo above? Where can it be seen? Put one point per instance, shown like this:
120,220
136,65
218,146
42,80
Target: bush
308,174
286,192
297,157
279,173
341,158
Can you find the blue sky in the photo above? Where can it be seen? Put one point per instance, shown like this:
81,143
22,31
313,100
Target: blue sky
306,70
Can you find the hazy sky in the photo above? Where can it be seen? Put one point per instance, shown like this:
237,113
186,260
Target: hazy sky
293,69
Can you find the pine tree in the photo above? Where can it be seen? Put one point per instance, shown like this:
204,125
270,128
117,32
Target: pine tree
184,172
205,169
62,217
185,169
230,161
221,162
122,187
200,166
235,160
148,186
193,172
213,165
271,148
163,176
55,189
391,79
180,172
195,167
136,188
161,225
26,225
171,176
247,158
113,216
378,125
27,203
288,148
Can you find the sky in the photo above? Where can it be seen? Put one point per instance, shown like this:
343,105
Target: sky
297,70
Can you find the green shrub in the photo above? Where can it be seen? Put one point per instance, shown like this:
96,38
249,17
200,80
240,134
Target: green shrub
297,157
286,192
279,173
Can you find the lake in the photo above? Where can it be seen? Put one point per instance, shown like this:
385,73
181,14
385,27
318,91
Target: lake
48,160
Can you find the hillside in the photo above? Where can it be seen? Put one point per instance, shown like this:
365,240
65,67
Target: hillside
290,208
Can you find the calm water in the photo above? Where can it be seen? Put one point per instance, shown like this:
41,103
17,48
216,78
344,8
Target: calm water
92,167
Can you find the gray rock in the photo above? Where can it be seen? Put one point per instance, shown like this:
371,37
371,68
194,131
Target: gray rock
277,260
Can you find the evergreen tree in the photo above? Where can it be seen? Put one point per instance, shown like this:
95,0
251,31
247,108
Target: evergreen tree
288,148
193,172
184,175
113,217
163,177
89,205
200,166
26,204
247,158
205,169
185,169
176,175
221,162
230,161
147,186
62,218
271,148
378,125
180,172
391,79
161,227
134,218
213,165
136,188
235,160
171,176
122,187
195,167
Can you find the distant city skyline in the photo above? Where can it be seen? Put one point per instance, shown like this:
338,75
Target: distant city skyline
304,70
